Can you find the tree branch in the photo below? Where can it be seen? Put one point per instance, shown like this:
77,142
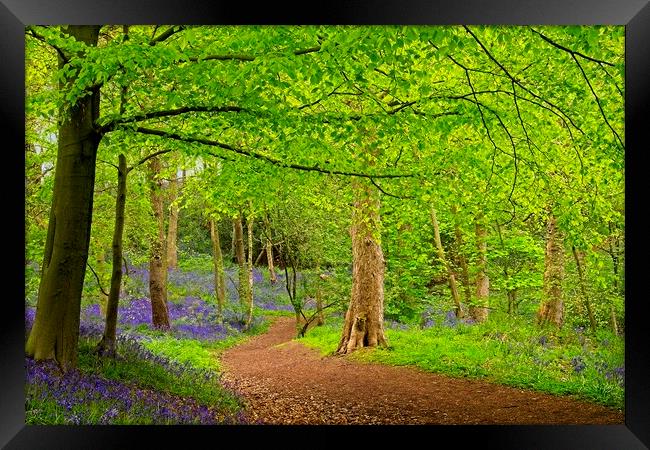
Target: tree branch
487,52
31,31
242,57
263,157
167,34
110,126
600,107
387,193
99,283
146,158
568,50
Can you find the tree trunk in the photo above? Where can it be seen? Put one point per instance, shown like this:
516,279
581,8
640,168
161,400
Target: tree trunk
100,268
512,301
55,332
320,317
443,259
157,266
172,229
364,320
107,344
249,291
269,249
552,307
511,293
219,275
233,243
614,256
241,260
479,310
583,290
462,261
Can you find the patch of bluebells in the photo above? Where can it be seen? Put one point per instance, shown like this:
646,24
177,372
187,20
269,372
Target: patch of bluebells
578,364
191,317
616,374
395,325
74,390
450,319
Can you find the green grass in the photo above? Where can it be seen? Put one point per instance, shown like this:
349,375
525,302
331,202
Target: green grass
500,351
147,374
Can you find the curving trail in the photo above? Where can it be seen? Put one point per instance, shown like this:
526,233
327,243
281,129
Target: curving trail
284,382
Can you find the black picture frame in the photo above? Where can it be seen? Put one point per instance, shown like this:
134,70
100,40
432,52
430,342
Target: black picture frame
634,14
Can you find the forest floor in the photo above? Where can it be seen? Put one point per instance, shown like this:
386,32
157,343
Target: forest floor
285,382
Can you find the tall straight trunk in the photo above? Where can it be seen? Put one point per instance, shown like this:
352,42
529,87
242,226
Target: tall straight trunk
249,267
479,310
219,275
614,256
55,332
320,317
107,344
583,289
100,269
462,260
157,262
233,243
269,249
172,229
512,301
364,320
511,293
450,273
241,260
551,309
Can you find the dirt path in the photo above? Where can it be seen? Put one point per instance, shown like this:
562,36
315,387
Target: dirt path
284,382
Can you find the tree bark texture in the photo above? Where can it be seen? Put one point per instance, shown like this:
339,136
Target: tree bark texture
172,228
441,256
578,256
157,262
269,250
107,344
240,257
462,261
552,307
55,332
320,316
249,267
364,320
479,310
219,274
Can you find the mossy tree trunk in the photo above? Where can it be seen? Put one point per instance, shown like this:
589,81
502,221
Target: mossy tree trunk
364,320
240,257
172,226
551,310
579,259
441,256
107,345
269,250
55,332
249,268
479,309
157,262
219,275
462,260
320,316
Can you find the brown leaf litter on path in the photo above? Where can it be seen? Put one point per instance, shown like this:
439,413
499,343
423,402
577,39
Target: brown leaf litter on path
285,382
